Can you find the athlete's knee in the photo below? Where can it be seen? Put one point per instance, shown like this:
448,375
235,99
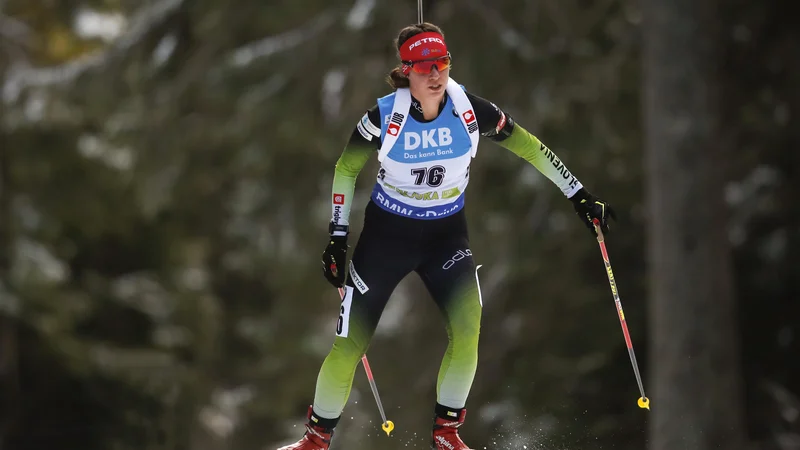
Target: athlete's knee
466,336
465,330
466,314
348,349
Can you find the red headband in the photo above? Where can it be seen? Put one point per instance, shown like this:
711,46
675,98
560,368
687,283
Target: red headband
428,45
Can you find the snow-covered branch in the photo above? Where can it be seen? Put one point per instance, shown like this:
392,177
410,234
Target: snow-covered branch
510,37
271,45
15,31
21,76
15,38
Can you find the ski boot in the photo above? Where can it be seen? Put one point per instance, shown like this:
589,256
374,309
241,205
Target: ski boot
315,437
445,431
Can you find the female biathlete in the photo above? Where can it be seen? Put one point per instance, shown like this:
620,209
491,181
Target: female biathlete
425,135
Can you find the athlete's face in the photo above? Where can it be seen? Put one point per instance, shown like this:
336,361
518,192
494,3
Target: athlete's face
429,86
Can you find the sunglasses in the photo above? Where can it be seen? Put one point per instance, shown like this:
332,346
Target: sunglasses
424,67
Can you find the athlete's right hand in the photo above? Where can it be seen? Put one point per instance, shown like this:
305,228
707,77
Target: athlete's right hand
334,259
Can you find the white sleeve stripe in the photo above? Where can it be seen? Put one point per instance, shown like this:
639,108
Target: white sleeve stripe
569,192
364,132
369,126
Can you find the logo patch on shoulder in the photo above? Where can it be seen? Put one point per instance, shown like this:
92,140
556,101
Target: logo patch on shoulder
369,126
469,119
469,116
395,122
501,123
363,131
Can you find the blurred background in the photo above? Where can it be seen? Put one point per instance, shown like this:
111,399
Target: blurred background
165,174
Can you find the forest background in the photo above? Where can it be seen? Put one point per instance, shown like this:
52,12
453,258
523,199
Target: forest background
165,174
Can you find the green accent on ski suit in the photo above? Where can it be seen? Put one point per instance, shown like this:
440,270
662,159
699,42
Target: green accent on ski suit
460,303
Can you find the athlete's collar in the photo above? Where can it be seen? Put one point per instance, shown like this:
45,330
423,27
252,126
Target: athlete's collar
416,110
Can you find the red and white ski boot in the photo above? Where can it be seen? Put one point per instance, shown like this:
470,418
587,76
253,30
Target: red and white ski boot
445,433
315,437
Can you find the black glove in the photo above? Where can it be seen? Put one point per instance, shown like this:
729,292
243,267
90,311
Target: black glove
334,257
588,207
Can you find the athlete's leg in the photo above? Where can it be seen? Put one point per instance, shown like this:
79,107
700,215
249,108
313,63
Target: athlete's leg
378,264
450,275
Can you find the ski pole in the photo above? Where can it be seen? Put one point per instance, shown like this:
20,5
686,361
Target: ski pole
387,425
643,402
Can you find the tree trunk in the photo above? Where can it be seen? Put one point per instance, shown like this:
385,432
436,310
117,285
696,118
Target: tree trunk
8,341
9,386
695,374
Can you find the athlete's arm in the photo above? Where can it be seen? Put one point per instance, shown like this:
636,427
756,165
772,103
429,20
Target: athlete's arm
500,128
364,141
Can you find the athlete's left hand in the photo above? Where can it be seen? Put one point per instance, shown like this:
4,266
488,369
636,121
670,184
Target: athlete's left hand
335,255
588,207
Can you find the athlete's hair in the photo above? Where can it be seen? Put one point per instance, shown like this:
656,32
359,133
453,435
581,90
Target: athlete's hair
396,78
